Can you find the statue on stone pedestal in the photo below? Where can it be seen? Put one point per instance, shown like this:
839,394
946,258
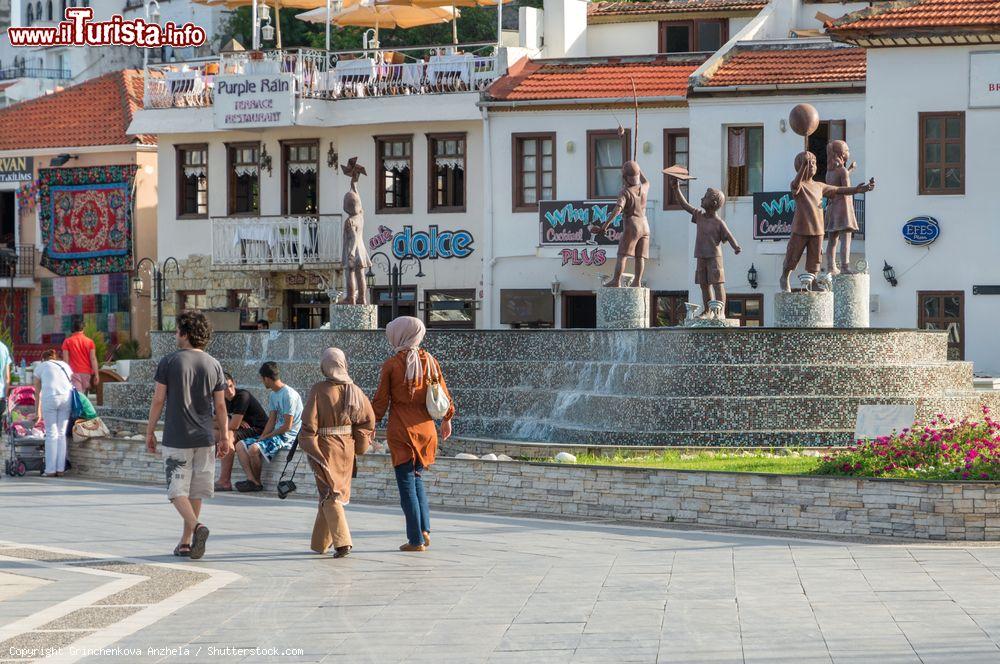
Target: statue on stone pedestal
808,223
354,256
712,231
839,209
634,240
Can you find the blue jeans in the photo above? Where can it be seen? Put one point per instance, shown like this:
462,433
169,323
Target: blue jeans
413,500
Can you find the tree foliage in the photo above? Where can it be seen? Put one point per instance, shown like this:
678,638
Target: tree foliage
476,24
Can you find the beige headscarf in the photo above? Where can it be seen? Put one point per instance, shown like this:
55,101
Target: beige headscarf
406,334
334,368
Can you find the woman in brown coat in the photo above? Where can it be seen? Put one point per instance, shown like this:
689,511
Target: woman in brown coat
411,435
337,422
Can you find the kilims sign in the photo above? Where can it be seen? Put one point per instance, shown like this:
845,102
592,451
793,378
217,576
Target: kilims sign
17,169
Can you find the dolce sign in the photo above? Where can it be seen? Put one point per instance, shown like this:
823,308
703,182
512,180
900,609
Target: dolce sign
245,102
984,79
432,244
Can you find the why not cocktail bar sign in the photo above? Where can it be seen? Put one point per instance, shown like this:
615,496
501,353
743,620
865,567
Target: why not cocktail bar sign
568,222
17,169
773,212
246,102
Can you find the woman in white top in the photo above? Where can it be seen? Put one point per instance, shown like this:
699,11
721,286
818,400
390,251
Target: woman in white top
53,397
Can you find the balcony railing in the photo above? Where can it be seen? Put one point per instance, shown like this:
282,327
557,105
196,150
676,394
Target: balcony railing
10,73
26,256
275,242
331,75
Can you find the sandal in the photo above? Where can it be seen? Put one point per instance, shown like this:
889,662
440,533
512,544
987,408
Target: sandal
342,551
198,542
246,486
182,550
223,487
427,539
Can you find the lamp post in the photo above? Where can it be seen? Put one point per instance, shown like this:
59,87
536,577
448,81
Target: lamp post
395,271
159,283
153,17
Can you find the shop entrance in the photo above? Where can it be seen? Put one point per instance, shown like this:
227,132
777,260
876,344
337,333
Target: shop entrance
579,309
7,221
307,310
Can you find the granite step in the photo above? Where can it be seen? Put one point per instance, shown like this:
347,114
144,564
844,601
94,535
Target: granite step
863,346
646,378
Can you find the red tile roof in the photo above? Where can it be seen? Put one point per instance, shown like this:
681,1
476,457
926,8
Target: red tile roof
788,66
633,7
95,112
974,14
605,78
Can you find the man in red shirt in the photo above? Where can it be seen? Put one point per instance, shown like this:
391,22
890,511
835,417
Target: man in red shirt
79,353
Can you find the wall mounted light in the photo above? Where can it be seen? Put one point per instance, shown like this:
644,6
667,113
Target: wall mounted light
647,147
332,158
267,32
556,287
752,276
570,146
265,159
889,273
782,125
62,159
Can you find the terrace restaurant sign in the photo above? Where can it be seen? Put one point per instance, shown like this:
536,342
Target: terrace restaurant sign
247,102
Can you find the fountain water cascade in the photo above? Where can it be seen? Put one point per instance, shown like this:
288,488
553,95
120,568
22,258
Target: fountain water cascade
679,386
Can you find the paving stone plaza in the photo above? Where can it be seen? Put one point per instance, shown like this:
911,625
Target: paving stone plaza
86,566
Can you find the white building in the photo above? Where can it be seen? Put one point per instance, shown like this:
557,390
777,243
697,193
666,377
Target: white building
27,72
714,81
932,123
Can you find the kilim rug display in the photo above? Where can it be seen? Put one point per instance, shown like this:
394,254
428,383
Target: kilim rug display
85,216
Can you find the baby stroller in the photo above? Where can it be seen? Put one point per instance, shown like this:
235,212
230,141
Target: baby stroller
25,436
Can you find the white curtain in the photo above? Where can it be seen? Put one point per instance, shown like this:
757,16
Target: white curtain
245,169
195,171
399,165
302,168
449,162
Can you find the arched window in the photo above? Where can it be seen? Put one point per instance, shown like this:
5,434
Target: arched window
63,15
31,14
48,10
38,10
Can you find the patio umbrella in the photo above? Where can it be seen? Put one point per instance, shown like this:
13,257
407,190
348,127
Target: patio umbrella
383,16
453,4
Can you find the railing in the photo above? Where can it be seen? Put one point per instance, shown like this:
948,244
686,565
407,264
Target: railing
9,73
25,261
331,75
276,241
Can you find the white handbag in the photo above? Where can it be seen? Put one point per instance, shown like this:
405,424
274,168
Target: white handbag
437,400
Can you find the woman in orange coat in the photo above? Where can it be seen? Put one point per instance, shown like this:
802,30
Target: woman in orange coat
411,433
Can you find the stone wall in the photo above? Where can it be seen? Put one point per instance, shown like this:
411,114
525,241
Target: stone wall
835,506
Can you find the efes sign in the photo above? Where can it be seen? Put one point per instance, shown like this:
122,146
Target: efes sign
17,169
921,231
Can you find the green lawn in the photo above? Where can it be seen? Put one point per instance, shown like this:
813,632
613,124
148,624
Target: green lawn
790,463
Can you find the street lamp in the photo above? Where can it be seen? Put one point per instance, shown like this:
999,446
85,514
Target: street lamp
151,17
159,284
395,271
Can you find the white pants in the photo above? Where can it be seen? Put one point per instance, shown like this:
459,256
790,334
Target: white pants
55,412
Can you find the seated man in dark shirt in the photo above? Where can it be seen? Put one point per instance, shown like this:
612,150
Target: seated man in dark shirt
246,419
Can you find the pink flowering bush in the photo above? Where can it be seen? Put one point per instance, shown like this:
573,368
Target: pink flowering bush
942,449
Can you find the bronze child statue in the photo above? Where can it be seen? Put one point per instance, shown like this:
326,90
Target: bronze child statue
839,209
712,231
634,240
354,256
807,224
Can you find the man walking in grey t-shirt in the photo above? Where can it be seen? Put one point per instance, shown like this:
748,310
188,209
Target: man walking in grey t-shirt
190,383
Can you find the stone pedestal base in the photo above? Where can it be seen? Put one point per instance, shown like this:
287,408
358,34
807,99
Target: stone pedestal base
712,322
808,309
850,300
622,308
353,317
